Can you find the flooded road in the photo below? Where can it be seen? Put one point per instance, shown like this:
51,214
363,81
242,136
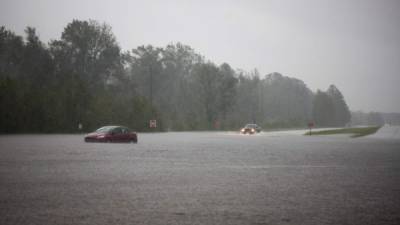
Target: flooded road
200,178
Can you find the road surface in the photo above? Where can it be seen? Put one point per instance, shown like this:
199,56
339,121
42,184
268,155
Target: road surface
200,178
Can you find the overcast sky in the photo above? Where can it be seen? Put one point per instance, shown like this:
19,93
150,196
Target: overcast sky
354,44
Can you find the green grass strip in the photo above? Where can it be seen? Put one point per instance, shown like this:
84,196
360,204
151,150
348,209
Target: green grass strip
356,131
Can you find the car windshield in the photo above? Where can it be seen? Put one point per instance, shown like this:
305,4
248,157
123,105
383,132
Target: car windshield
251,126
104,130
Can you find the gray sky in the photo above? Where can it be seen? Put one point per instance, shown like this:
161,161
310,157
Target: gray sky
354,44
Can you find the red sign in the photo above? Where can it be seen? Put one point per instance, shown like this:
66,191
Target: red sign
311,124
216,124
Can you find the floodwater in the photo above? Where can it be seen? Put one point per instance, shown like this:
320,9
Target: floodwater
200,178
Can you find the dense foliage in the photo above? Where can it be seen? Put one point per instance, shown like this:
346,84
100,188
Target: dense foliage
84,78
330,108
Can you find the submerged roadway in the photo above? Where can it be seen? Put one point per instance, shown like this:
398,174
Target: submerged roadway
201,178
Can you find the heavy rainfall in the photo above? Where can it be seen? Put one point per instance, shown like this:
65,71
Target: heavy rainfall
208,143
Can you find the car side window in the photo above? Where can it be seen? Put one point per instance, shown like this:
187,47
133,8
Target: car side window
117,131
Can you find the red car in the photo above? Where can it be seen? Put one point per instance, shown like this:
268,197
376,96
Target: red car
112,134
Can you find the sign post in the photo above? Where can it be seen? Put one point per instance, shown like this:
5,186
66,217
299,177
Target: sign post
310,125
80,126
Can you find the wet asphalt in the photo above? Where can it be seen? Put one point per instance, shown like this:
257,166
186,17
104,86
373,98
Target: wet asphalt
200,178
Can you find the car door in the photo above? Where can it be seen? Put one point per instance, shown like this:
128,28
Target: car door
125,134
117,135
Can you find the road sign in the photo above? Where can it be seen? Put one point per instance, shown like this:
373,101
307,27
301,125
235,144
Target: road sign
153,123
217,124
311,125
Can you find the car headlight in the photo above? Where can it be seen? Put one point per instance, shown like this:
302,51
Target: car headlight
242,130
252,130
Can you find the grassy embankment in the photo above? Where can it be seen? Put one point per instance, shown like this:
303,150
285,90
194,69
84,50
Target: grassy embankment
356,131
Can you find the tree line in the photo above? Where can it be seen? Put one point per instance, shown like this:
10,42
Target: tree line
360,118
85,78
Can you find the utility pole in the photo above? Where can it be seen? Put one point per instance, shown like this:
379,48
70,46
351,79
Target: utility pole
151,89
153,121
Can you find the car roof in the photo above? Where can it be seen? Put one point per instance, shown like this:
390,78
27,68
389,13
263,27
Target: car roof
112,127
108,127
251,125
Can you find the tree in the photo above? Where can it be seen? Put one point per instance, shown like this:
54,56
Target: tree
26,71
323,109
11,53
90,51
205,83
286,100
180,111
341,110
84,78
87,61
226,96
11,57
146,67
9,106
375,119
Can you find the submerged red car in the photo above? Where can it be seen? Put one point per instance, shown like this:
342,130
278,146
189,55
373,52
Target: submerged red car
112,134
